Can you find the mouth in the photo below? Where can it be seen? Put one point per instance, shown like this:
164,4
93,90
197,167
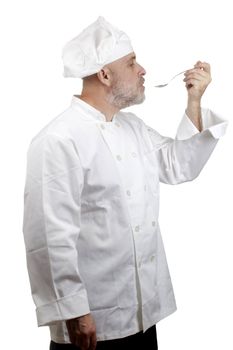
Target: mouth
142,84
142,81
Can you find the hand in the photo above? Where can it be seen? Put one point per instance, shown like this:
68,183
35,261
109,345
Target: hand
82,332
197,80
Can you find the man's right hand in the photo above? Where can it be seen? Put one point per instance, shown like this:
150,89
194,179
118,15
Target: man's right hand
82,332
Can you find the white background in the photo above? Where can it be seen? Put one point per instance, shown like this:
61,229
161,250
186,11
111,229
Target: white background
196,218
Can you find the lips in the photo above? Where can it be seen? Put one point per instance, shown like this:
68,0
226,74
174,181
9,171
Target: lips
142,82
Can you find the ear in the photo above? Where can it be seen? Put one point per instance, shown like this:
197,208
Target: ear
105,76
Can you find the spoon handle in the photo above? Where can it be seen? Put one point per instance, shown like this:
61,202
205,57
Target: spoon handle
163,85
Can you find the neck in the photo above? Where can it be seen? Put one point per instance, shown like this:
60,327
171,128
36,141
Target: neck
99,102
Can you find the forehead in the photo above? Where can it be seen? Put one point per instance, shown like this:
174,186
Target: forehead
129,57
125,59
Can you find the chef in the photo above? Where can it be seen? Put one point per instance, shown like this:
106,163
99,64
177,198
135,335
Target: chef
97,267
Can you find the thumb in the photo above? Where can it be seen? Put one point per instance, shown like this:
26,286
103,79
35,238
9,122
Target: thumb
203,65
198,64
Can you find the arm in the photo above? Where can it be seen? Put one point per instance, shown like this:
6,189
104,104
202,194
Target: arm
181,159
197,80
51,229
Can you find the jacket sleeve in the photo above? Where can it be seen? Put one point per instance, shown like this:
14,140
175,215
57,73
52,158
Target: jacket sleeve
181,159
51,228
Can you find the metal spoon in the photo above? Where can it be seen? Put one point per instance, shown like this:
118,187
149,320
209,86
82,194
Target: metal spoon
163,85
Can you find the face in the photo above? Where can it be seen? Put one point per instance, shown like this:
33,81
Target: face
127,82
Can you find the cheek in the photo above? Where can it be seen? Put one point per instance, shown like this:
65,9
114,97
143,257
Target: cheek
131,79
128,74
127,79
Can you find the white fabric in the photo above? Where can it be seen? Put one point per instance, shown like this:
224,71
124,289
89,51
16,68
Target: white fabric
97,45
210,121
91,217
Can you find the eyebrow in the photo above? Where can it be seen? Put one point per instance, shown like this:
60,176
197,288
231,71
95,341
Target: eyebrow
132,58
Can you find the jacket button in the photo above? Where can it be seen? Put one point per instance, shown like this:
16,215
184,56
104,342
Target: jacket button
102,126
128,193
118,157
153,223
134,154
137,228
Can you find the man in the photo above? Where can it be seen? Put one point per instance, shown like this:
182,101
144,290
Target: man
96,261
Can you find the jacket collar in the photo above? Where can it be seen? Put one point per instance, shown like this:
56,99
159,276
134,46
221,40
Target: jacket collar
89,110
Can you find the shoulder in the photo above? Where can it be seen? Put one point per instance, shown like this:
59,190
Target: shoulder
61,127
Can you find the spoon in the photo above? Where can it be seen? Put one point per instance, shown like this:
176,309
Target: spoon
163,85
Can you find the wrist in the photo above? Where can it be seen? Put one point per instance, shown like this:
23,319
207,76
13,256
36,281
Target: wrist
193,111
194,102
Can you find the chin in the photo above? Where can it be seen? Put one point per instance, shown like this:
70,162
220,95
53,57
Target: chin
141,99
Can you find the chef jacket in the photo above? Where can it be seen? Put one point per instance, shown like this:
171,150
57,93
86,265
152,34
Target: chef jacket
91,228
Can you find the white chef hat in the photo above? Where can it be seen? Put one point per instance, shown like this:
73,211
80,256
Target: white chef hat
97,45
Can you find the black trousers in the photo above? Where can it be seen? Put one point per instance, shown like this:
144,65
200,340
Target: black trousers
138,341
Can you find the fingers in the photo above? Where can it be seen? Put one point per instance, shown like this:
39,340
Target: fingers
83,341
197,79
87,341
203,65
82,332
201,68
197,74
71,331
93,342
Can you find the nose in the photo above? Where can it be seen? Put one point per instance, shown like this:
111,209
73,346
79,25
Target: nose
141,70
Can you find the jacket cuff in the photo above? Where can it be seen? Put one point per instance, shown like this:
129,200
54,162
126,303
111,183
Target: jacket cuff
63,309
210,121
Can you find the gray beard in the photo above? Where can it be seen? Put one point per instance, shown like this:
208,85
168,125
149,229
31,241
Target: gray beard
121,98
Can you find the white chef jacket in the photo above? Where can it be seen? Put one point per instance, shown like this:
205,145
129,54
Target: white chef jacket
91,227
